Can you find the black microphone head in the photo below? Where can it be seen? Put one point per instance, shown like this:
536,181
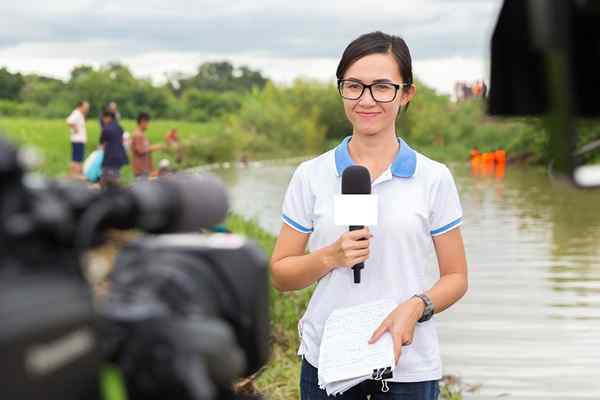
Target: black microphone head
356,180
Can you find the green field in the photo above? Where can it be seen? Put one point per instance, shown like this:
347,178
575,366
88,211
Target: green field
51,138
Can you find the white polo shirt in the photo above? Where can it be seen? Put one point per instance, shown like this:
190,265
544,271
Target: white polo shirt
417,199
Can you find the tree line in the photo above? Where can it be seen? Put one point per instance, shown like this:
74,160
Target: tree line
214,89
249,116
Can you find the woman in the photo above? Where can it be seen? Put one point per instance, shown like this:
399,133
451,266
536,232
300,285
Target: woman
115,156
419,212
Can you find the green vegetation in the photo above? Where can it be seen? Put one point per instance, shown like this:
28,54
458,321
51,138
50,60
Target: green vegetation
242,114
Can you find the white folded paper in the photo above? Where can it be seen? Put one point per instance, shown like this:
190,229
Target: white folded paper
346,358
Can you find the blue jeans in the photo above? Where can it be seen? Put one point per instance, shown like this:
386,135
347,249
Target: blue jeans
309,389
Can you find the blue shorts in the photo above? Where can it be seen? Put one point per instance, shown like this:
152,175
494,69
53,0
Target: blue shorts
77,151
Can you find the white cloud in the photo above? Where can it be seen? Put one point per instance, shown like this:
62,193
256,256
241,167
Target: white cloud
448,38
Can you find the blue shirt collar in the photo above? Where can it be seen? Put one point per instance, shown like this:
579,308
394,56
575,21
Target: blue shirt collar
404,164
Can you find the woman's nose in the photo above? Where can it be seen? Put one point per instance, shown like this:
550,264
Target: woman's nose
367,98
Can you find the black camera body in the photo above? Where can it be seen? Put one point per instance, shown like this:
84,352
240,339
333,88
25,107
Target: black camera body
48,337
203,294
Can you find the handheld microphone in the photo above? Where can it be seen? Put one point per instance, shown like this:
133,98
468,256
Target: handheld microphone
356,180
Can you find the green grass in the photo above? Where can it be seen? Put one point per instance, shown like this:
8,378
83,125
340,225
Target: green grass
51,138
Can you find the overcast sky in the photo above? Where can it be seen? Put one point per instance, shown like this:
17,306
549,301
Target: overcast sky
448,39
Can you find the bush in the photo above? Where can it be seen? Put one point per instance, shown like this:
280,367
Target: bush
270,123
13,109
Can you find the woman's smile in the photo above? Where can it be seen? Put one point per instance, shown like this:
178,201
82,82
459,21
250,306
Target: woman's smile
368,114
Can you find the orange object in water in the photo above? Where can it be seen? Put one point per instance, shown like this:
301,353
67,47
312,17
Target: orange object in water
488,157
500,156
487,164
500,171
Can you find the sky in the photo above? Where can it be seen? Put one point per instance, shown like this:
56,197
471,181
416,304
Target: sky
448,39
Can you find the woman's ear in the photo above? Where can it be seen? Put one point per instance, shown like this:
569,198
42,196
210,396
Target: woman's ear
407,96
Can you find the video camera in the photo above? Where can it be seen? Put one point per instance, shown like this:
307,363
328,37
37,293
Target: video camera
186,314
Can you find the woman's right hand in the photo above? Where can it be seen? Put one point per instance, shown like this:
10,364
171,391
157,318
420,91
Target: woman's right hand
351,248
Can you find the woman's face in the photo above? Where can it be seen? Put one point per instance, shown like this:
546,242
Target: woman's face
368,116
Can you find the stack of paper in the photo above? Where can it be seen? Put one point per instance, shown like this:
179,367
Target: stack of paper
346,358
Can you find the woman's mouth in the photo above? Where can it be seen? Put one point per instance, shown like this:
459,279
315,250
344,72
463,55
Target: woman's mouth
366,114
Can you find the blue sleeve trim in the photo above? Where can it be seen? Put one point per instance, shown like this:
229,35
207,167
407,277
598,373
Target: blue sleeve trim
447,227
295,225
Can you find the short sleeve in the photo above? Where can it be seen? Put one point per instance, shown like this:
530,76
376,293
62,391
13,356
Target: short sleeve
298,203
72,118
446,211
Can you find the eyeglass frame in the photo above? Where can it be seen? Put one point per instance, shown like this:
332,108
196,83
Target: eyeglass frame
396,86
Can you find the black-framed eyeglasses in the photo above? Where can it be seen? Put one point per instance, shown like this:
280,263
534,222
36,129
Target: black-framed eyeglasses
382,92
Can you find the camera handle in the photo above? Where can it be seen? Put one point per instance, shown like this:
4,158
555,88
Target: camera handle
207,356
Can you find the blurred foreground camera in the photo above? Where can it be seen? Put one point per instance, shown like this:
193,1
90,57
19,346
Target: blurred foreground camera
186,314
545,62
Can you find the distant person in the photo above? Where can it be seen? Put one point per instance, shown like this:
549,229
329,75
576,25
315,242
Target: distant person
115,155
500,156
488,160
476,89
141,149
466,89
112,107
76,121
483,89
173,143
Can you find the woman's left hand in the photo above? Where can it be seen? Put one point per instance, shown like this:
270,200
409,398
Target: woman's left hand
401,324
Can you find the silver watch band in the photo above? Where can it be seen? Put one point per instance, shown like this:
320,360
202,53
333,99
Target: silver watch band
428,312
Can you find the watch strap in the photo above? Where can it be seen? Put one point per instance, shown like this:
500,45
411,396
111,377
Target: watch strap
428,312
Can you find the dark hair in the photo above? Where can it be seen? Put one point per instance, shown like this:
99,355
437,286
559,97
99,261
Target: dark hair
108,113
373,43
143,116
80,103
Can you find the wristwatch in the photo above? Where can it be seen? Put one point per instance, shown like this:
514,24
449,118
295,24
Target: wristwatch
428,313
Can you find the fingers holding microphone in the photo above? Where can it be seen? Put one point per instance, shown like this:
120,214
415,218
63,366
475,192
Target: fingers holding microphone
352,247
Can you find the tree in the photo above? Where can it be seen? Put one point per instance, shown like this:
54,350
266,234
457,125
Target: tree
43,90
10,84
218,77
